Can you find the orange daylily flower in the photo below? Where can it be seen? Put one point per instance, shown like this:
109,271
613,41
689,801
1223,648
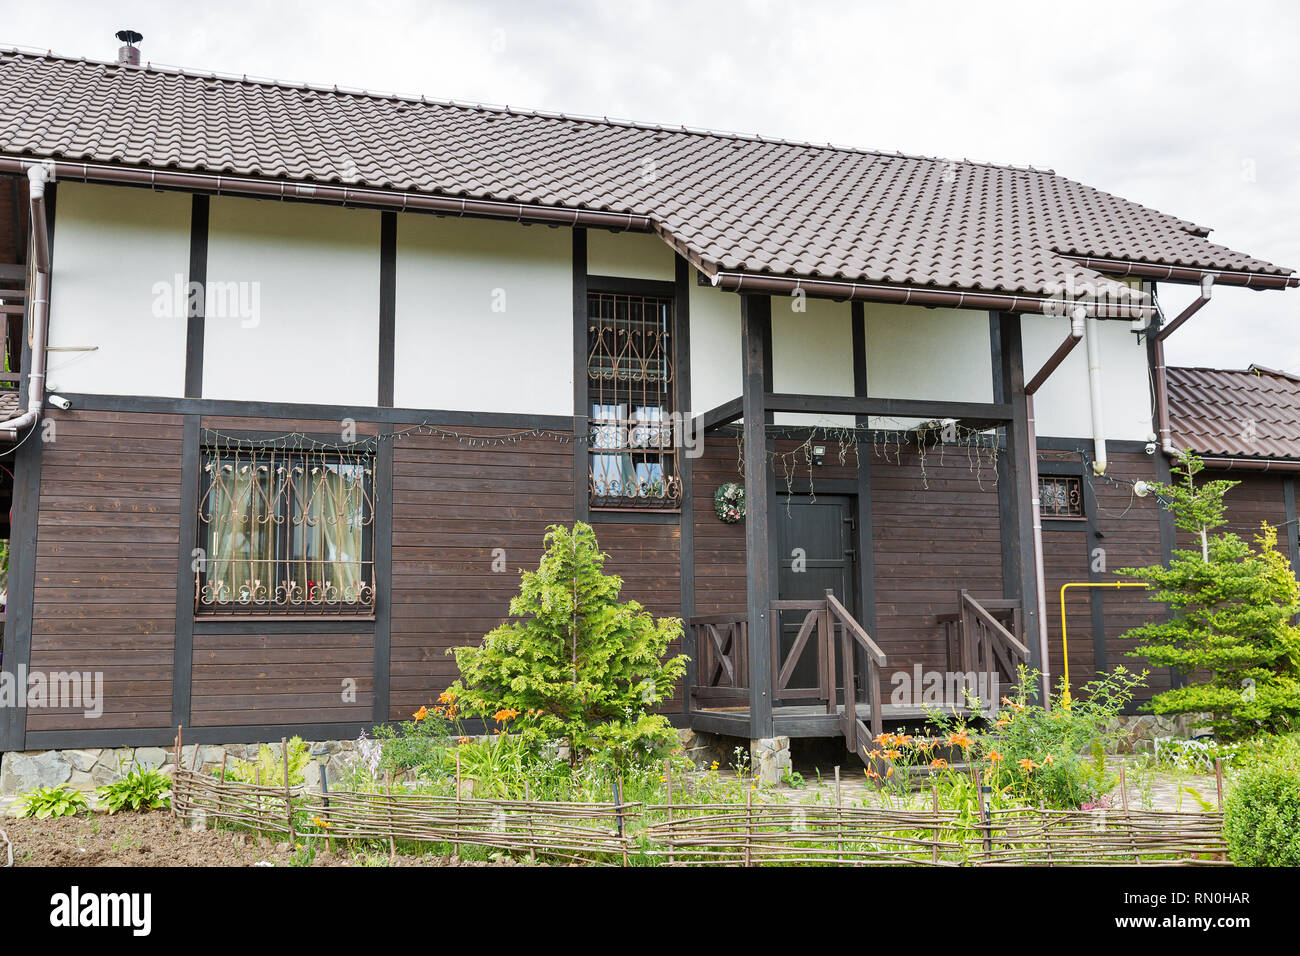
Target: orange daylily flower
893,754
505,714
960,739
420,714
1027,765
1049,760
447,696
994,756
938,763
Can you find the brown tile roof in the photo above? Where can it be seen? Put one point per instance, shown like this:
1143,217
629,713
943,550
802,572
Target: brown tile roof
1253,413
729,202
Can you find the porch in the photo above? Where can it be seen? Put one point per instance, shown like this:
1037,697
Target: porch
847,695
839,633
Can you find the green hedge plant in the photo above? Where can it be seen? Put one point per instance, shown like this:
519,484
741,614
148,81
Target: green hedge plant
1261,816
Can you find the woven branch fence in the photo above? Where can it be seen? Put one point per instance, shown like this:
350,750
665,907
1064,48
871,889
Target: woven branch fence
708,834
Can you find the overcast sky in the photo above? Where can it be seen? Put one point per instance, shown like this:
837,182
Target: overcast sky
1192,108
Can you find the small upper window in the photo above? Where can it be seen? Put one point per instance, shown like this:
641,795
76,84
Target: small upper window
630,384
1060,496
287,532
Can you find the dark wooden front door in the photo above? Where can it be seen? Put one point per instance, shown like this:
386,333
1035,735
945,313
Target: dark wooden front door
815,541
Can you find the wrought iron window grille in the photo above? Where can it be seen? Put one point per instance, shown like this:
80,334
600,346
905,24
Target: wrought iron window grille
1061,496
631,383
285,531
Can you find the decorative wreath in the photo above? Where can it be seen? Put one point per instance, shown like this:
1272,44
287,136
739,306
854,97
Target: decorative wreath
729,502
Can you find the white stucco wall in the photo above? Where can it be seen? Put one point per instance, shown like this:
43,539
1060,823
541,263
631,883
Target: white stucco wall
302,322
715,346
940,354
484,316
1062,405
812,353
631,255
119,253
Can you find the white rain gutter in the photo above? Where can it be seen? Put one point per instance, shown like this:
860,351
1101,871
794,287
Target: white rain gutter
1095,398
1040,570
38,311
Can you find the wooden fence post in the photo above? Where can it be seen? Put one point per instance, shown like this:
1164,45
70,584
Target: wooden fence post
668,779
1128,826
388,805
749,824
934,852
288,795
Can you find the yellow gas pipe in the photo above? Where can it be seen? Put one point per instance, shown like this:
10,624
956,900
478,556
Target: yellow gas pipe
1065,647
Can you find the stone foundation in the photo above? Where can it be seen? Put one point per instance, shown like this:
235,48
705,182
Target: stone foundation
770,759
1141,730
91,768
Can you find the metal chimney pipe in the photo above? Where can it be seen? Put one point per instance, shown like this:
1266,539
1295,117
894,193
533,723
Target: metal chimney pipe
128,54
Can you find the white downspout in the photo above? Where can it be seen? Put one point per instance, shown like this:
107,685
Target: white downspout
1040,568
39,310
1093,343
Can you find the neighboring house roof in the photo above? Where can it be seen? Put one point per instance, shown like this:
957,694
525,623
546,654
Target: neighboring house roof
728,202
1253,413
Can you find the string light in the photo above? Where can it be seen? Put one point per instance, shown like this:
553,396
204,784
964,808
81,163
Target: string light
301,441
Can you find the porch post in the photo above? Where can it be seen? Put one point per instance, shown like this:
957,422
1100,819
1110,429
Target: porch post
1015,483
756,344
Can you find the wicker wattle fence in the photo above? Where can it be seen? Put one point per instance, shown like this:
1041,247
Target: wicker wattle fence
686,834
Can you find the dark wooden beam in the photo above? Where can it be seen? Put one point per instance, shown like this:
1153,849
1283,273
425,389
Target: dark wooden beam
889,407
383,573
196,308
685,467
183,645
756,339
26,465
1015,501
724,414
864,536
1292,539
581,460
387,306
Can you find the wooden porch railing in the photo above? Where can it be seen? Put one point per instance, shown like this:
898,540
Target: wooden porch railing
722,648
982,637
854,637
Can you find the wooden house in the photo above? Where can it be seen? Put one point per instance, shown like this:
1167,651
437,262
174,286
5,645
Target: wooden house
300,375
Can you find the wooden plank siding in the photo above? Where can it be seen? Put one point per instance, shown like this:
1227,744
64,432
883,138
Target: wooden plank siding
105,583
719,547
935,532
648,559
252,679
1130,528
453,504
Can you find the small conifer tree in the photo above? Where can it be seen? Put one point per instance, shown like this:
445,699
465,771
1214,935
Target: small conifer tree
1231,629
575,663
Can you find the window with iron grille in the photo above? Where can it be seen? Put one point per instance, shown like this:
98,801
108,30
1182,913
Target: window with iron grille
630,384
286,532
1060,496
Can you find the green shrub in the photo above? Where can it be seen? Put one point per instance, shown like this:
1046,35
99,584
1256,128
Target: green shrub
1031,755
1261,816
271,765
574,662
1231,630
141,789
60,801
